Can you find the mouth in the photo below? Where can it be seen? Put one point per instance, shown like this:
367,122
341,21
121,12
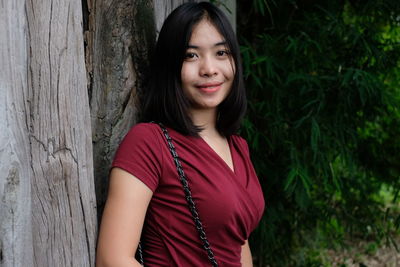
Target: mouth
209,87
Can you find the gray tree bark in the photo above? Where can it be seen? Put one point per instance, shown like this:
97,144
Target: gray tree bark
229,8
16,248
63,200
122,33
163,8
48,207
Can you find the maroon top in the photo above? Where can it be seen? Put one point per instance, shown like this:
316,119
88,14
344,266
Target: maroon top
230,203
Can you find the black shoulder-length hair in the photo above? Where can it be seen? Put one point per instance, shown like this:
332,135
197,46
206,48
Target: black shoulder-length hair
163,99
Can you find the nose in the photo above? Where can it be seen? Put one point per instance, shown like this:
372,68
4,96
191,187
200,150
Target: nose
208,67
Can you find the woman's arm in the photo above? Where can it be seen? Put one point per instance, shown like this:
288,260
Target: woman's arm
247,260
122,221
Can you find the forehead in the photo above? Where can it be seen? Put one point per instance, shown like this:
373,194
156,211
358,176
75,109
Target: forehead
205,34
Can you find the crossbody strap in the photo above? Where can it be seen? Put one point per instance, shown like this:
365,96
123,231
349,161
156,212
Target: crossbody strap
190,202
189,199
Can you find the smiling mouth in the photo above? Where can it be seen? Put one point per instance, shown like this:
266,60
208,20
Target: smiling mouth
209,87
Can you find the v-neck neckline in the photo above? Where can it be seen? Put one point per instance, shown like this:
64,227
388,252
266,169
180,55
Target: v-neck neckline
229,140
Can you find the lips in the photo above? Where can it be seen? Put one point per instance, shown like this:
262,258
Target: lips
209,87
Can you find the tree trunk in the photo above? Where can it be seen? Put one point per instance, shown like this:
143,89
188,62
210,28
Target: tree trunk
47,173
122,33
163,8
229,8
63,200
16,248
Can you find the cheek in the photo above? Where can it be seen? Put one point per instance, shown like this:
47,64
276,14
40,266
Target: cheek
184,74
228,70
187,74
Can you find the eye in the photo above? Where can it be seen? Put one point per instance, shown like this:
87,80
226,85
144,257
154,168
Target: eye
189,56
223,53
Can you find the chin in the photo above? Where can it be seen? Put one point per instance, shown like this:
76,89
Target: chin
209,106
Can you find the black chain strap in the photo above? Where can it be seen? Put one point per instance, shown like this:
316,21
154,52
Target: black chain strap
191,204
140,254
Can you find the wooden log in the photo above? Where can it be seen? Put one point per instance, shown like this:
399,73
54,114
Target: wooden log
123,35
163,8
63,200
16,248
229,8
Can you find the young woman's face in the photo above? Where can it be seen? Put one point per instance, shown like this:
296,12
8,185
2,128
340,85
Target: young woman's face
208,69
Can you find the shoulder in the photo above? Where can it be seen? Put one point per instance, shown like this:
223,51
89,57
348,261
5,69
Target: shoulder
238,139
144,129
142,136
240,142
139,154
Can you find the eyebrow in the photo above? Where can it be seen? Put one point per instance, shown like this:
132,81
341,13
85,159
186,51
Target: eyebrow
217,44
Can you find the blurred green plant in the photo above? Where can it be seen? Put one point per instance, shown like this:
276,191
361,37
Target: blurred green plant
323,122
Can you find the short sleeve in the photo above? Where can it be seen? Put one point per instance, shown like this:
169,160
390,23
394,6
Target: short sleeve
139,154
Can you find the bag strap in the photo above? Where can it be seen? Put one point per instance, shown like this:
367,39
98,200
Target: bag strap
188,196
190,202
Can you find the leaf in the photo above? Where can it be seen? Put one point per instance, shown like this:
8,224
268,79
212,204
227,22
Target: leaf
291,181
315,135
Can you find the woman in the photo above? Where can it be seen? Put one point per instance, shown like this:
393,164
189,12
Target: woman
196,90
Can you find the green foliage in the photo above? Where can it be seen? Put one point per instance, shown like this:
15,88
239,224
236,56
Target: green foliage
323,123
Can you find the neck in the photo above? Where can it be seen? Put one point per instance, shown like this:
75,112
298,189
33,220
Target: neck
207,119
